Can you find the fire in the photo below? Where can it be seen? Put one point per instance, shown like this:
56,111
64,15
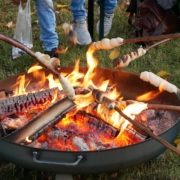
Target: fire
76,126
148,96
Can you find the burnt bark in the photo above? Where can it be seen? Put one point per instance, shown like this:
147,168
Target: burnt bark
18,104
100,125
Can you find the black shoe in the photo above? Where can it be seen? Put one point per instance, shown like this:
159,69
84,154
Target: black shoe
52,53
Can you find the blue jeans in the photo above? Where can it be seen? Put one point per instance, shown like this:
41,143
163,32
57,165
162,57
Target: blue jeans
47,22
79,12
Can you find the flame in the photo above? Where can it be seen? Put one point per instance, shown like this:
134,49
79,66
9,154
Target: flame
148,96
85,101
20,85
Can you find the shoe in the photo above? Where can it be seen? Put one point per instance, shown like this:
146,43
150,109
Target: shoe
107,23
52,53
83,36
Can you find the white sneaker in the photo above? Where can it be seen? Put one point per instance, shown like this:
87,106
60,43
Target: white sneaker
107,23
83,36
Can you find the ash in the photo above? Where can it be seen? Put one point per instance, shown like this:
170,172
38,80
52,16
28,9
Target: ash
158,121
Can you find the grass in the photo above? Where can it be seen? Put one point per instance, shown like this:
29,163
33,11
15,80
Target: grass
166,57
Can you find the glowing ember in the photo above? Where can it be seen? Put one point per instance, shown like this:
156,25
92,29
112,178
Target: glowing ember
77,132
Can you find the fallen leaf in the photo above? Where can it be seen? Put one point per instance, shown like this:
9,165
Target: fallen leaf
65,10
163,73
61,50
62,5
59,27
177,141
122,7
10,25
2,25
114,54
178,146
32,13
2,15
114,175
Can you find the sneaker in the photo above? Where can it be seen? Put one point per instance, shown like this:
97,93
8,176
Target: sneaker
52,53
83,36
107,23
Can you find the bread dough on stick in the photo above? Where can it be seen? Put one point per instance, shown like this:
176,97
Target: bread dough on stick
158,82
53,63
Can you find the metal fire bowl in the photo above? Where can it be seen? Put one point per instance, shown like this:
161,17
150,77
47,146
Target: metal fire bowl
130,86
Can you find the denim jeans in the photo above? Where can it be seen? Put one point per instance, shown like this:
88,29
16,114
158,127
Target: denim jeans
79,12
47,22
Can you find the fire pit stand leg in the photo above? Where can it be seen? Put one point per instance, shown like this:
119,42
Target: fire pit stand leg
63,177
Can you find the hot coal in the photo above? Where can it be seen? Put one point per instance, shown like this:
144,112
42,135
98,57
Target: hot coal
156,120
98,124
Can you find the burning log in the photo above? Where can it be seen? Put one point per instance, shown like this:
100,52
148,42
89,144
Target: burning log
51,114
18,104
99,124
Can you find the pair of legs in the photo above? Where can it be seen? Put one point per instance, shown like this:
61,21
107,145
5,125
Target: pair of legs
79,17
47,21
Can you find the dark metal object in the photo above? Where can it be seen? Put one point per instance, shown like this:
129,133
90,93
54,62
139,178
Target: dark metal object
130,86
91,18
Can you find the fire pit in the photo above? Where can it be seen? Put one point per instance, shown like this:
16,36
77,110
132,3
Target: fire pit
130,87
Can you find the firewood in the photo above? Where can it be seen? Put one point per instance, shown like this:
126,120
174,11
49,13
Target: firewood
18,104
43,120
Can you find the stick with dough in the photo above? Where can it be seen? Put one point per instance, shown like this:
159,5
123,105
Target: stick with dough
158,82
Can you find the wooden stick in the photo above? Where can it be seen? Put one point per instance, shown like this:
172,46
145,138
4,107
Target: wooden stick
68,89
143,128
123,61
116,42
163,107
101,98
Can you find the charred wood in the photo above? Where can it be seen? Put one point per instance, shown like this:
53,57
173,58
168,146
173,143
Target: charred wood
18,104
100,125
39,123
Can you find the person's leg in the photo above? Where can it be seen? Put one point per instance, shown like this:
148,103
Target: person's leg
109,6
47,22
79,22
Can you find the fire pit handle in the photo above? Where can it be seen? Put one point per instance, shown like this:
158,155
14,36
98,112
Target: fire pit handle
35,154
